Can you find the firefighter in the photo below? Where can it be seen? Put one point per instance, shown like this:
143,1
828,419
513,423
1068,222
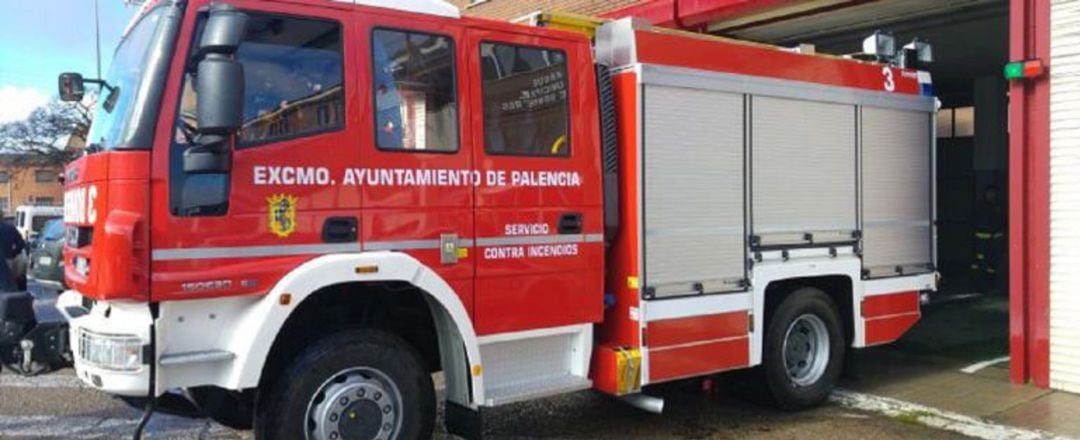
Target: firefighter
989,234
11,245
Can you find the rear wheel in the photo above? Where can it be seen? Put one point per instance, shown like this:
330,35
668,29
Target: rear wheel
804,350
363,384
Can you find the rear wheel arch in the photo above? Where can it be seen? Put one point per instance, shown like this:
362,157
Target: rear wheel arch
839,288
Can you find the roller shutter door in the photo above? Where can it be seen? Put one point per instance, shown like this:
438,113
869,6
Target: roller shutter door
803,160
896,192
1065,195
694,191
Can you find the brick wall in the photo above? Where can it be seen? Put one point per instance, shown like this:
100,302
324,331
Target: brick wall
23,188
511,9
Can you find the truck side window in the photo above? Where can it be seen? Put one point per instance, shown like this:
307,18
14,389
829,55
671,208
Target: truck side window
293,75
415,91
525,100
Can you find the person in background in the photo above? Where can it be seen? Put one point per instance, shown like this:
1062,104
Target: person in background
989,238
11,244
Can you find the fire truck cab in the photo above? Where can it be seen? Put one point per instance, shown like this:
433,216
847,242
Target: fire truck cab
295,211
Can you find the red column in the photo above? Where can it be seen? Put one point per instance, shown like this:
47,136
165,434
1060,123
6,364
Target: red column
1029,198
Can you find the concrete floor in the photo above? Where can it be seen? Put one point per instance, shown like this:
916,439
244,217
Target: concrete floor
59,407
925,368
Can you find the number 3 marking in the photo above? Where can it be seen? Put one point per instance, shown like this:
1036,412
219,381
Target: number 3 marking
890,84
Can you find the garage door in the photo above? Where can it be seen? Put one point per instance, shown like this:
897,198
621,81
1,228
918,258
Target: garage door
1065,195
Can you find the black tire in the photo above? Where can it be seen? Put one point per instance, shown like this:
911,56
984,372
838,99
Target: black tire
781,389
281,411
229,408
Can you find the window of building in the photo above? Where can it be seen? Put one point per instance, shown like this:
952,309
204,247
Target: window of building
415,91
956,122
45,176
525,93
44,201
3,205
944,123
5,176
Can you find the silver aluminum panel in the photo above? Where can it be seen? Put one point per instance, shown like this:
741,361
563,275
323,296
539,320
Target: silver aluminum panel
693,190
896,179
803,167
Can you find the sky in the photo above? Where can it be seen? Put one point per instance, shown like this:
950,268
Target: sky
39,39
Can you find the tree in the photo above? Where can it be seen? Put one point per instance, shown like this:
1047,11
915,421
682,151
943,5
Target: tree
43,137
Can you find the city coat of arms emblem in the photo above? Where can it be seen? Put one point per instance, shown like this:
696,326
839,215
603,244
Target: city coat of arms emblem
282,211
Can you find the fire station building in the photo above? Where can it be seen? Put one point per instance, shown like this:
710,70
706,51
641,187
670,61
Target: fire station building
1007,73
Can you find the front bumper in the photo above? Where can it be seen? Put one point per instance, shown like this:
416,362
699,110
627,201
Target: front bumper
106,323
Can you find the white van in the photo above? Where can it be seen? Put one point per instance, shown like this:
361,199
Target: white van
29,219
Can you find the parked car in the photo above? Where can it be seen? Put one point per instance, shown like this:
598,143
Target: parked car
47,256
30,219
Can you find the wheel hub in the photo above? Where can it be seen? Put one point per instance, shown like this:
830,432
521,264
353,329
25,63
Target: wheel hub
356,404
806,350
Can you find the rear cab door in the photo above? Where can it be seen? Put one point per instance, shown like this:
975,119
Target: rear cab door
416,176
539,228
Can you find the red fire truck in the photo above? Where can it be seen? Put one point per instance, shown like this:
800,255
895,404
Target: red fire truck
295,211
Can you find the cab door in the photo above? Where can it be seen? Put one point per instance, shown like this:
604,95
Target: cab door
283,201
416,176
539,241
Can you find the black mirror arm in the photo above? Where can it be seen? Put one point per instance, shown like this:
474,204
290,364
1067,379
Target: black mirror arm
100,82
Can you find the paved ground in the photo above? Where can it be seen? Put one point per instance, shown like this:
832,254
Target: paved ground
58,407
923,368
956,359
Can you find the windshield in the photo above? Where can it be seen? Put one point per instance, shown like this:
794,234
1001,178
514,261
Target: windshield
137,76
54,230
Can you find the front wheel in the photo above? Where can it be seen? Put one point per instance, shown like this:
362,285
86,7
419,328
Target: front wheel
363,385
804,350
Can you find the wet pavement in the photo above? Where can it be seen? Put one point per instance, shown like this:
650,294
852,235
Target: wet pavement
59,407
924,368
956,359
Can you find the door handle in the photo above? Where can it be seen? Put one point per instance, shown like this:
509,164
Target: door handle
571,223
340,230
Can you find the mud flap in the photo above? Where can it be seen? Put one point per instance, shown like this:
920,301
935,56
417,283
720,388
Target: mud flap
464,422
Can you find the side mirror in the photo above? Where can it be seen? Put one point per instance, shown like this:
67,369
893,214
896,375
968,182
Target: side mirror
211,156
72,87
219,85
225,29
219,82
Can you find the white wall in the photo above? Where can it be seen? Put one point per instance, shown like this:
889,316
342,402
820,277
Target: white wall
1065,195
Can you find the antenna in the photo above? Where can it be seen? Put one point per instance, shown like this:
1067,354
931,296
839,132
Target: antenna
97,37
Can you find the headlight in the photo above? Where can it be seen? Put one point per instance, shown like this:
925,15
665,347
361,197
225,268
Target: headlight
111,352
